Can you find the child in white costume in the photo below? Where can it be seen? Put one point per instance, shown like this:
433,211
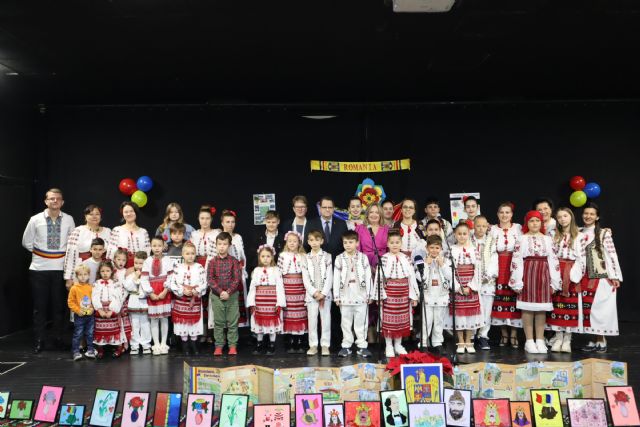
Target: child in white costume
317,275
138,308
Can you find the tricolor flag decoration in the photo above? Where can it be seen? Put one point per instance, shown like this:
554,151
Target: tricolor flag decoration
310,405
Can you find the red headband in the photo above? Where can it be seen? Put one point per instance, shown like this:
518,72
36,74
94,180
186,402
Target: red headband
528,216
212,209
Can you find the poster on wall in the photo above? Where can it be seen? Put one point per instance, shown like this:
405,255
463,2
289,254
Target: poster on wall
261,204
457,206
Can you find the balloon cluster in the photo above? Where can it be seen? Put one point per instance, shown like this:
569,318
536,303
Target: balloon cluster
582,191
136,189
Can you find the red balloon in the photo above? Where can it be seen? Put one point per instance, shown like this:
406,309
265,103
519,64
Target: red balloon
577,183
127,186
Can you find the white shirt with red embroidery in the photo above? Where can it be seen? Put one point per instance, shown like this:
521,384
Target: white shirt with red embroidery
575,251
614,271
352,279
132,241
266,276
466,255
205,243
534,245
80,242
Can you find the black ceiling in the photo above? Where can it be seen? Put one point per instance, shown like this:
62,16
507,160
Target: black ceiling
244,51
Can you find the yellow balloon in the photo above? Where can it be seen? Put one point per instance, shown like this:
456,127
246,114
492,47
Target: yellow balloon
140,198
578,198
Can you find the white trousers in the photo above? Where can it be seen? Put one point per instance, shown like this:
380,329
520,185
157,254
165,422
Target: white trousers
140,330
313,311
354,317
486,303
433,325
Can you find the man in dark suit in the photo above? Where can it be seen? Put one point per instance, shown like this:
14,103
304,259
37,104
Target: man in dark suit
331,227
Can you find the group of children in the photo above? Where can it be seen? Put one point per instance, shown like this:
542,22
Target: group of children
502,275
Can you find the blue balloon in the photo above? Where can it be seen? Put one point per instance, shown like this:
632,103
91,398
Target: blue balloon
144,183
592,190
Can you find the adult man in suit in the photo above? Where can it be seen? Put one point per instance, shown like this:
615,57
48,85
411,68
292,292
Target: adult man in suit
331,227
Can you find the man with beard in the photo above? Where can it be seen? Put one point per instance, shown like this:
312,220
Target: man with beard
457,415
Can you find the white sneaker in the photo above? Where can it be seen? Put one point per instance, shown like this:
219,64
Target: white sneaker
155,350
388,351
134,351
164,349
530,347
542,347
399,349
460,348
312,351
470,348
566,344
557,346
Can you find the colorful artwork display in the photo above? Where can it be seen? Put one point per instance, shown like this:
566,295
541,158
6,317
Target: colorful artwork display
521,413
278,415
48,404
309,410
134,409
233,410
547,411
167,410
458,407
333,415
622,405
491,413
199,410
362,414
71,415
21,409
427,415
587,412
104,408
395,411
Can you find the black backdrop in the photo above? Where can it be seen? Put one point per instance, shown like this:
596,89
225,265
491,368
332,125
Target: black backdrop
505,151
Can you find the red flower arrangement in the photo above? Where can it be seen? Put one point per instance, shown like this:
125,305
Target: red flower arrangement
419,357
621,396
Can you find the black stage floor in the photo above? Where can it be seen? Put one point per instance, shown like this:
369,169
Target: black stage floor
165,373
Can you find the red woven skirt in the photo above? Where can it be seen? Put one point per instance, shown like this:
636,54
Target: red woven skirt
161,308
265,313
396,309
107,330
295,313
466,305
537,281
588,287
565,307
125,321
504,302
186,310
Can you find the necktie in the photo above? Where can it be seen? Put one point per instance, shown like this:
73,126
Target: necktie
327,231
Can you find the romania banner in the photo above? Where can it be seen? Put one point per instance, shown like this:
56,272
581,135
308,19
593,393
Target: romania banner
362,167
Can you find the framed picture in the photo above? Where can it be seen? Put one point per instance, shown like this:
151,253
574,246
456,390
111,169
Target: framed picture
622,405
104,408
233,410
48,404
333,415
199,410
587,412
395,411
547,411
362,413
21,409
308,410
491,412
457,404
272,415
520,413
4,403
427,414
422,382
71,415
167,410
134,409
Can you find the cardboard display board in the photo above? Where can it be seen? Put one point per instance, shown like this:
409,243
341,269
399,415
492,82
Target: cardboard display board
580,379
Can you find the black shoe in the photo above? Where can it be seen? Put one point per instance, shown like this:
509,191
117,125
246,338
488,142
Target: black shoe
301,348
589,348
38,346
193,346
601,348
259,348
484,343
293,346
363,352
185,347
271,348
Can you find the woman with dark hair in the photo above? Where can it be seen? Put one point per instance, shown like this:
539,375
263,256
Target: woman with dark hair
544,205
128,236
599,284
80,239
410,229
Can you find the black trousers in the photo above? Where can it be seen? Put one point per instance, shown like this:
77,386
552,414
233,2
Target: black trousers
49,296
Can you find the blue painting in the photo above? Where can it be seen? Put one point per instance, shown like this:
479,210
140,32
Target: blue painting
422,382
71,415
